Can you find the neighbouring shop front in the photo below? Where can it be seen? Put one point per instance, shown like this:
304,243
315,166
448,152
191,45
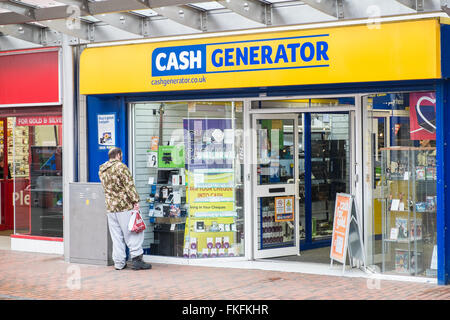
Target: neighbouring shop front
31,149
239,144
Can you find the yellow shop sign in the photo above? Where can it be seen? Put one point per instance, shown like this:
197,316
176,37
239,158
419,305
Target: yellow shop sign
394,51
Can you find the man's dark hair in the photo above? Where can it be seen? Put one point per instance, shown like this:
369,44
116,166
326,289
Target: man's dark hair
112,154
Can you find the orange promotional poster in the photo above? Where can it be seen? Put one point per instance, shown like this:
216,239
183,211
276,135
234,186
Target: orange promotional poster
154,144
341,224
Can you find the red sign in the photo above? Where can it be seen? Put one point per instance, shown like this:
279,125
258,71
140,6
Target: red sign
29,77
422,115
16,191
39,121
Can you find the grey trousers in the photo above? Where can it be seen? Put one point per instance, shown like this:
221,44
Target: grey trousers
118,228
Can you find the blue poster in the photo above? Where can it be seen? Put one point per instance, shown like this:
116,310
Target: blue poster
209,143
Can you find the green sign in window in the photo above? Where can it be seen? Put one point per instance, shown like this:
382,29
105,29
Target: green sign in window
171,156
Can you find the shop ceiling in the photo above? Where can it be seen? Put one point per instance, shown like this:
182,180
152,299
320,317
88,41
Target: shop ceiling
35,23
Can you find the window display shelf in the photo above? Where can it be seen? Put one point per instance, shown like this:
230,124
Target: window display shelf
168,220
55,216
211,232
169,185
402,241
47,190
406,211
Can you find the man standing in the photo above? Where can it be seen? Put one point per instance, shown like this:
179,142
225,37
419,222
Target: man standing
121,199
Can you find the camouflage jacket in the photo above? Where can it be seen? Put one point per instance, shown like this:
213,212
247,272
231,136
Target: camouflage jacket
120,191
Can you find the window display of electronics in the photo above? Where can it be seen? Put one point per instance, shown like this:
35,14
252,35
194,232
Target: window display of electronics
199,236
167,210
167,195
209,239
408,180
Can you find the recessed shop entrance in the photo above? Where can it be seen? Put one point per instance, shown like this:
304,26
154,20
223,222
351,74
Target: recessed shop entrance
301,160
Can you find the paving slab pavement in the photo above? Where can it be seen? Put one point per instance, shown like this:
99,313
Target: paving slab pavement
36,276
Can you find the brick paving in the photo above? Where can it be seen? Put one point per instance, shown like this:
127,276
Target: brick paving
48,277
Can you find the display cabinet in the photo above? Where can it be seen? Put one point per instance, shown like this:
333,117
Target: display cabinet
167,211
408,194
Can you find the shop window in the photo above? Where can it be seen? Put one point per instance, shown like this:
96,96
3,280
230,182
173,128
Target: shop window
187,165
400,147
31,180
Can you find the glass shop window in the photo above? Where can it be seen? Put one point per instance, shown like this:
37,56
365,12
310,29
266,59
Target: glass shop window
401,147
31,180
188,171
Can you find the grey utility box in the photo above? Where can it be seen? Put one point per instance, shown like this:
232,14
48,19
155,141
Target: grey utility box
90,241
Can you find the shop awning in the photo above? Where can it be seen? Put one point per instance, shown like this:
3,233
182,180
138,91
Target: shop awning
28,23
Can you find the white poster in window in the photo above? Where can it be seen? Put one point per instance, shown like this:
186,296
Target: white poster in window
289,205
106,129
217,135
176,197
175,180
228,136
394,234
395,204
263,146
275,144
152,160
434,259
279,205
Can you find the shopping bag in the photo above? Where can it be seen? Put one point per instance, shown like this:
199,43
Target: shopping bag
136,223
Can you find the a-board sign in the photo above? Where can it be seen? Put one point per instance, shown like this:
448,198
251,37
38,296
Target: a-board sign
355,243
346,231
342,214
284,209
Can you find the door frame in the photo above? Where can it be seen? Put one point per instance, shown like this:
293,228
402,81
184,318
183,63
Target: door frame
356,116
369,228
260,191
